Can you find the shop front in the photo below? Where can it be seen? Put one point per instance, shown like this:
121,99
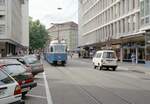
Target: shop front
147,48
137,50
133,46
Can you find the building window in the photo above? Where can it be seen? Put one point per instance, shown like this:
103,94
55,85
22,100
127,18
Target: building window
133,4
128,27
147,20
2,29
147,7
142,8
2,2
142,21
123,6
123,25
119,29
134,21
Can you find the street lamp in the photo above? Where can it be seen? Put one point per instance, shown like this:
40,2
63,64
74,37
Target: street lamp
59,8
57,26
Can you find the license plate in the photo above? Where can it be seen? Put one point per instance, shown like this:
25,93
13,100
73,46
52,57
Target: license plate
59,62
25,89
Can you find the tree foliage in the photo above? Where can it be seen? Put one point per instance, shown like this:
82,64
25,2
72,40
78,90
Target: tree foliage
38,34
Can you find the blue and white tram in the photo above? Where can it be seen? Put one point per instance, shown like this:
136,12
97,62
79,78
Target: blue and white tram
56,53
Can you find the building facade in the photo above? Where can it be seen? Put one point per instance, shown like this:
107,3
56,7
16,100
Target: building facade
145,26
115,24
67,31
14,27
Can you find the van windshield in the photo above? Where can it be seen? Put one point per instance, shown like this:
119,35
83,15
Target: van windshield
109,55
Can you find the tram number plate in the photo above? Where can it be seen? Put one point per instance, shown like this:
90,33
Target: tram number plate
58,62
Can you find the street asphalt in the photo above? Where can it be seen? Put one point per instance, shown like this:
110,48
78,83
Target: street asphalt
79,83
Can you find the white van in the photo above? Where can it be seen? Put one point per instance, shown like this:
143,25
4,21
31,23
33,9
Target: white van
105,58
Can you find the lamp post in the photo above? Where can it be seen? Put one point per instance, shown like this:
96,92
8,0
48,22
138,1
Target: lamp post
57,26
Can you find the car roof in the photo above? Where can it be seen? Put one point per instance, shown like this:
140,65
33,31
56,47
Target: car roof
9,62
104,51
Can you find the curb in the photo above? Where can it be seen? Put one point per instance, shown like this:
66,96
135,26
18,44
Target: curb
139,71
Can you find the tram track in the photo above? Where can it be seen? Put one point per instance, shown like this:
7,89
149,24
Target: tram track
83,90
82,77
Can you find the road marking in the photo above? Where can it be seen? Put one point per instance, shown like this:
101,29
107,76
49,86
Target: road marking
124,68
38,77
48,94
41,84
36,96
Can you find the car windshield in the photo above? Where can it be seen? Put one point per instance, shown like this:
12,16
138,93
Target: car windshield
31,60
109,55
4,78
15,69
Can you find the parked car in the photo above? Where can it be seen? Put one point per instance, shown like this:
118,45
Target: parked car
15,61
32,62
10,90
105,58
18,72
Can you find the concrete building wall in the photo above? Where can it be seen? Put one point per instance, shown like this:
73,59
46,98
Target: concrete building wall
14,31
113,23
104,19
25,24
67,31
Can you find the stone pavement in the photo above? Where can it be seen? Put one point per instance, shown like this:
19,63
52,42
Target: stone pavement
135,67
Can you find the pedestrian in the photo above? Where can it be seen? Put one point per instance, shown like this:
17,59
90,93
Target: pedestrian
70,55
133,58
79,54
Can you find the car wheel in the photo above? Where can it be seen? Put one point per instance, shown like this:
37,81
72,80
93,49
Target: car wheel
95,66
107,68
100,67
22,102
24,94
114,68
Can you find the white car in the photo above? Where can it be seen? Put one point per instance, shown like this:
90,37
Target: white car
10,91
105,58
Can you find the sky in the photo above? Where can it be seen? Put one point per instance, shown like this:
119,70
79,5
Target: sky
46,11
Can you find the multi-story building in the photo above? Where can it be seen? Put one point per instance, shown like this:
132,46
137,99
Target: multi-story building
114,24
14,29
145,26
67,31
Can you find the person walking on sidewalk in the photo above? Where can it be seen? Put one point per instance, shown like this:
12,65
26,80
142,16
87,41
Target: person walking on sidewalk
133,57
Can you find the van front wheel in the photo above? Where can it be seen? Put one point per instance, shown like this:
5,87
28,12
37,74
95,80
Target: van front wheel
100,67
114,68
95,66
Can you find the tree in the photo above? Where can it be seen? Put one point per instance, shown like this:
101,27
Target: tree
38,35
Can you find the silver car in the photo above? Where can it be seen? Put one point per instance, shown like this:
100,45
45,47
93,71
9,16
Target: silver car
32,62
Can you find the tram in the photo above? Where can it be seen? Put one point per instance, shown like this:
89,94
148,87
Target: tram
56,52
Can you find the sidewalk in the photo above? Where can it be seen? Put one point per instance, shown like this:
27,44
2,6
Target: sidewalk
134,67
141,68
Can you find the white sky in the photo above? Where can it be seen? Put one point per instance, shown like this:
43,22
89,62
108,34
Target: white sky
46,11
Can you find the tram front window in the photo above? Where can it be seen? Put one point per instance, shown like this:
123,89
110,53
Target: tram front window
59,48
